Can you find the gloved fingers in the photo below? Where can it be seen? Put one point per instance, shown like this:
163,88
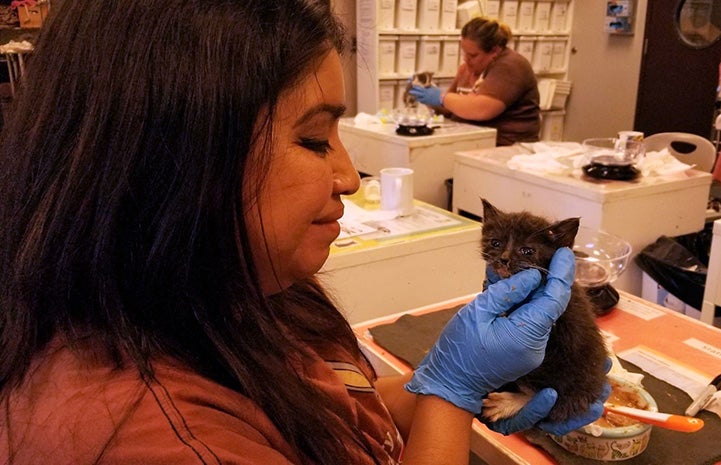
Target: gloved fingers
502,296
547,305
561,272
416,91
533,412
593,413
607,365
491,275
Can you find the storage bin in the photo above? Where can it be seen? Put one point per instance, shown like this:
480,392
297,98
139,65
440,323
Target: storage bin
406,12
386,14
406,55
448,15
493,9
467,11
387,95
526,17
400,87
525,46
552,125
429,54
450,49
429,12
387,55
542,54
509,13
542,17
559,16
558,57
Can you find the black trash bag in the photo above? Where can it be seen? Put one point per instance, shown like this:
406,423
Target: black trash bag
676,268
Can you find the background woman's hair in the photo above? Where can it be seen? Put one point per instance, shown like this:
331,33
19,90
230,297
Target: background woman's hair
121,212
487,33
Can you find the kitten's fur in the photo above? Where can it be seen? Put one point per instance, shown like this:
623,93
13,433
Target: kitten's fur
575,355
424,79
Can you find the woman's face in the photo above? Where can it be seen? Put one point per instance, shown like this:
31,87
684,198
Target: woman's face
476,59
296,217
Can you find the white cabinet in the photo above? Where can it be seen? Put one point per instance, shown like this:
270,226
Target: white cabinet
397,38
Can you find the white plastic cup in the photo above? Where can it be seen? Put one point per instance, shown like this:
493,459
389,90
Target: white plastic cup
397,190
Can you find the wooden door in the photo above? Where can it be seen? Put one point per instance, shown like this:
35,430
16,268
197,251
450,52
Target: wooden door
678,83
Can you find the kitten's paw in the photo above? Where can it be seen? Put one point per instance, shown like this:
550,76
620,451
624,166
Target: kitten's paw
499,405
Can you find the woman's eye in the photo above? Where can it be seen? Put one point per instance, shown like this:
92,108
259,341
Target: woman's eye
316,145
495,243
526,251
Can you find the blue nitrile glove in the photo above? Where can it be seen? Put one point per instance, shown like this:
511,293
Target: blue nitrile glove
538,408
427,95
480,350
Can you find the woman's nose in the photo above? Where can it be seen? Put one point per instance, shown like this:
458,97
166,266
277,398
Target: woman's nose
346,180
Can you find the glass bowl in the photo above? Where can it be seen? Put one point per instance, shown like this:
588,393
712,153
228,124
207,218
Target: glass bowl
611,151
600,257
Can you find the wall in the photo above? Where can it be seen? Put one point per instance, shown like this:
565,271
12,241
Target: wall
605,70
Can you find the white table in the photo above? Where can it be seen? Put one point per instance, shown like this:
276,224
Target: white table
395,269
639,211
373,147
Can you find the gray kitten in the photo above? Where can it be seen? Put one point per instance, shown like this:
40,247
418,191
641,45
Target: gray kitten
424,79
575,359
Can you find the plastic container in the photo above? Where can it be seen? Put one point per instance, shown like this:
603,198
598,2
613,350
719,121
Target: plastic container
450,52
387,55
542,17
558,54
525,46
449,9
542,55
386,14
406,13
406,55
559,16
429,54
509,13
429,12
387,95
526,18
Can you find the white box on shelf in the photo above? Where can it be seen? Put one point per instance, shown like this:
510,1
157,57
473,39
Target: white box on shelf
429,12
406,56
386,95
400,87
526,11
449,54
406,13
525,46
387,55
552,125
493,9
449,9
542,17
467,11
558,57
559,16
542,55
509,13
429,54
386,14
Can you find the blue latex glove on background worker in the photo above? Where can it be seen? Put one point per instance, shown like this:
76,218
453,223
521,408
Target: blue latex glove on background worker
481,349
427,95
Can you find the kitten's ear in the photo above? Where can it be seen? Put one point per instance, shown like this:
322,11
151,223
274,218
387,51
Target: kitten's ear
489,211
562,233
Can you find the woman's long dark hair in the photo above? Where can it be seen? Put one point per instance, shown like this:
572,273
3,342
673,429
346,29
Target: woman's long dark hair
121,198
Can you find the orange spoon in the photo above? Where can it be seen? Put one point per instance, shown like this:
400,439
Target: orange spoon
664,420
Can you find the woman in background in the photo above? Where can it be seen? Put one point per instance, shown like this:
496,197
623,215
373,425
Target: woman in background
172,180
495,86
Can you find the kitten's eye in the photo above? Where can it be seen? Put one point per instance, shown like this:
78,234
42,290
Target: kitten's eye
496,243
319,146
526,251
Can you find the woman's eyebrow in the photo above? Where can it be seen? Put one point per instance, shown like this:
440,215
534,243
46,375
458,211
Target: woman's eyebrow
335,111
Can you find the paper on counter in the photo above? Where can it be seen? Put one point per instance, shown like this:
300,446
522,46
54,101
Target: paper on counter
673,373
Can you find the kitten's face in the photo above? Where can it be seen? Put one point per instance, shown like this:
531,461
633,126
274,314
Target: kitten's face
516,241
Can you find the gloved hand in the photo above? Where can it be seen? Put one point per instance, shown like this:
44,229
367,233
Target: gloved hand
480,350
538,408
427,95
